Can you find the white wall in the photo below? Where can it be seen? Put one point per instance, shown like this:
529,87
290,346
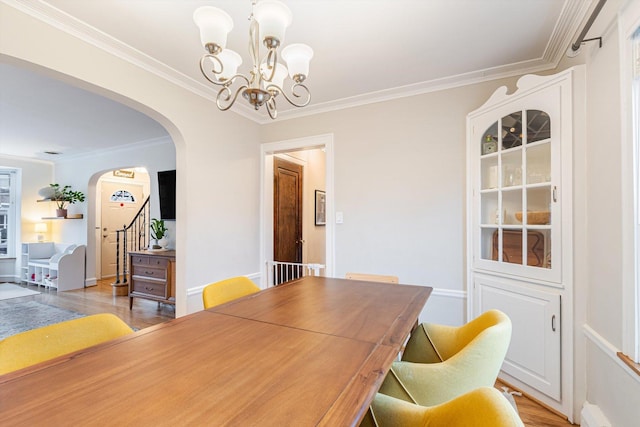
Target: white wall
610,385
315,235
400,183
216,153
34,176
83,172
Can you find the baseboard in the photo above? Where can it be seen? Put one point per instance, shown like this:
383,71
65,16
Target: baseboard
450,293
592,416
198,290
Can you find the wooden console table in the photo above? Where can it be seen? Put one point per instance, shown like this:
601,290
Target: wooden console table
152,276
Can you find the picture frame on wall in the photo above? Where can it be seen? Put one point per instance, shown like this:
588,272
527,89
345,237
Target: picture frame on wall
321,211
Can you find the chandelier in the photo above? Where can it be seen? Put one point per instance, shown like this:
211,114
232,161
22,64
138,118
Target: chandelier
265,82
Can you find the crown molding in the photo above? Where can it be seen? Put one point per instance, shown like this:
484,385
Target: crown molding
572,14
147,143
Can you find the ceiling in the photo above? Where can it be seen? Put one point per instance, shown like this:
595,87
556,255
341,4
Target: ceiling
364,51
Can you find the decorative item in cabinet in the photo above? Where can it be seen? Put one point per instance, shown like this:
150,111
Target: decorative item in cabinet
152,276
512,248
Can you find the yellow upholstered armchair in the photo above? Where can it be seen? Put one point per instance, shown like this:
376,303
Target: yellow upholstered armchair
441,362
37,345
227,290
482,407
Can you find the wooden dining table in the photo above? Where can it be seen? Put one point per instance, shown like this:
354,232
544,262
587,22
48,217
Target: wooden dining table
311,352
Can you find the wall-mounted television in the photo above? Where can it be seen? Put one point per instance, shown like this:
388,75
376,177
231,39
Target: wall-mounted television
167,194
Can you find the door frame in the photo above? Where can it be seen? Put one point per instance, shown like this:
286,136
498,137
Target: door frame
325,142
100,229
97,210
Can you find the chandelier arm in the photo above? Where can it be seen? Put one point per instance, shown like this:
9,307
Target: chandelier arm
214,80
306,96
271,108
225,95
215,60
271,61
254,47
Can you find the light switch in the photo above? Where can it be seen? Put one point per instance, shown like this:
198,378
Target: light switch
339,218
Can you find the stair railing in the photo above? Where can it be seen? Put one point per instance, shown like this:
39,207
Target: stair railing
134,237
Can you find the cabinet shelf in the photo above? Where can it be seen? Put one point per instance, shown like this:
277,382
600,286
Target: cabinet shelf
489,155
539,185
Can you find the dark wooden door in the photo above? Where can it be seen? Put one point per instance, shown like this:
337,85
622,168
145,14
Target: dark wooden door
287,211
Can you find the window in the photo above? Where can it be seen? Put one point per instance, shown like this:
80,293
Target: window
122,196
7,213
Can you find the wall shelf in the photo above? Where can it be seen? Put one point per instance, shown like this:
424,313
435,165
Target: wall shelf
58,217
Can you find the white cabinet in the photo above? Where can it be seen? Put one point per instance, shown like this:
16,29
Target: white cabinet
516,153
53,265
534,353
30,252
519,156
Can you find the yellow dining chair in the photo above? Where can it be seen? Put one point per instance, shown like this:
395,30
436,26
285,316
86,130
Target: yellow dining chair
443,362
372,277
482,407
37,345
227,290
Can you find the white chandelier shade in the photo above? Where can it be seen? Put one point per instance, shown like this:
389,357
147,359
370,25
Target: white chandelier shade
266,79
297,56
231,60
274,18
278,77
215,24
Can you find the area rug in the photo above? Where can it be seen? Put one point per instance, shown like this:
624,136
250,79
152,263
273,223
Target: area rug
9,290
19,316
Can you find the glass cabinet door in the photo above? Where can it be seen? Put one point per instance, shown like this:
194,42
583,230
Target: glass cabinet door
516,190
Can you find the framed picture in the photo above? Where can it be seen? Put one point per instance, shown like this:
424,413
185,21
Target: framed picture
321,212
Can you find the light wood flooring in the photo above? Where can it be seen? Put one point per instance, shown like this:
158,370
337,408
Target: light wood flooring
99,299
534,414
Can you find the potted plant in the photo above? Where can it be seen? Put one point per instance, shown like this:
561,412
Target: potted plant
158,231
64,196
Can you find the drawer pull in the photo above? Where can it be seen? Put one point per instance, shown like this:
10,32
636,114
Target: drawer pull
148,289
150,273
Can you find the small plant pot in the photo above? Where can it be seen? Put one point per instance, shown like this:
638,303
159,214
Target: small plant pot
61,213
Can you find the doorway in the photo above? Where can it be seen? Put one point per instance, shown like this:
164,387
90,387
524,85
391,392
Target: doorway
119,200
315,244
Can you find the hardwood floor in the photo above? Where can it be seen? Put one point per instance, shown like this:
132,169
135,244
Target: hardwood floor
99,299
534,414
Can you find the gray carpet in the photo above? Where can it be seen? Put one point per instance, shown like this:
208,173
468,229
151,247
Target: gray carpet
18,317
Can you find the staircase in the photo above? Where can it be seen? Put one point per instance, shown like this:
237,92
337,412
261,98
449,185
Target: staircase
132,237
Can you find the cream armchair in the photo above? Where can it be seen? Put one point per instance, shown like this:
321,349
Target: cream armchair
441,363
482,407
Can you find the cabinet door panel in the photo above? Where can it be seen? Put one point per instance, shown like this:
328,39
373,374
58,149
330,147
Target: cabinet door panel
534,354
516,185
